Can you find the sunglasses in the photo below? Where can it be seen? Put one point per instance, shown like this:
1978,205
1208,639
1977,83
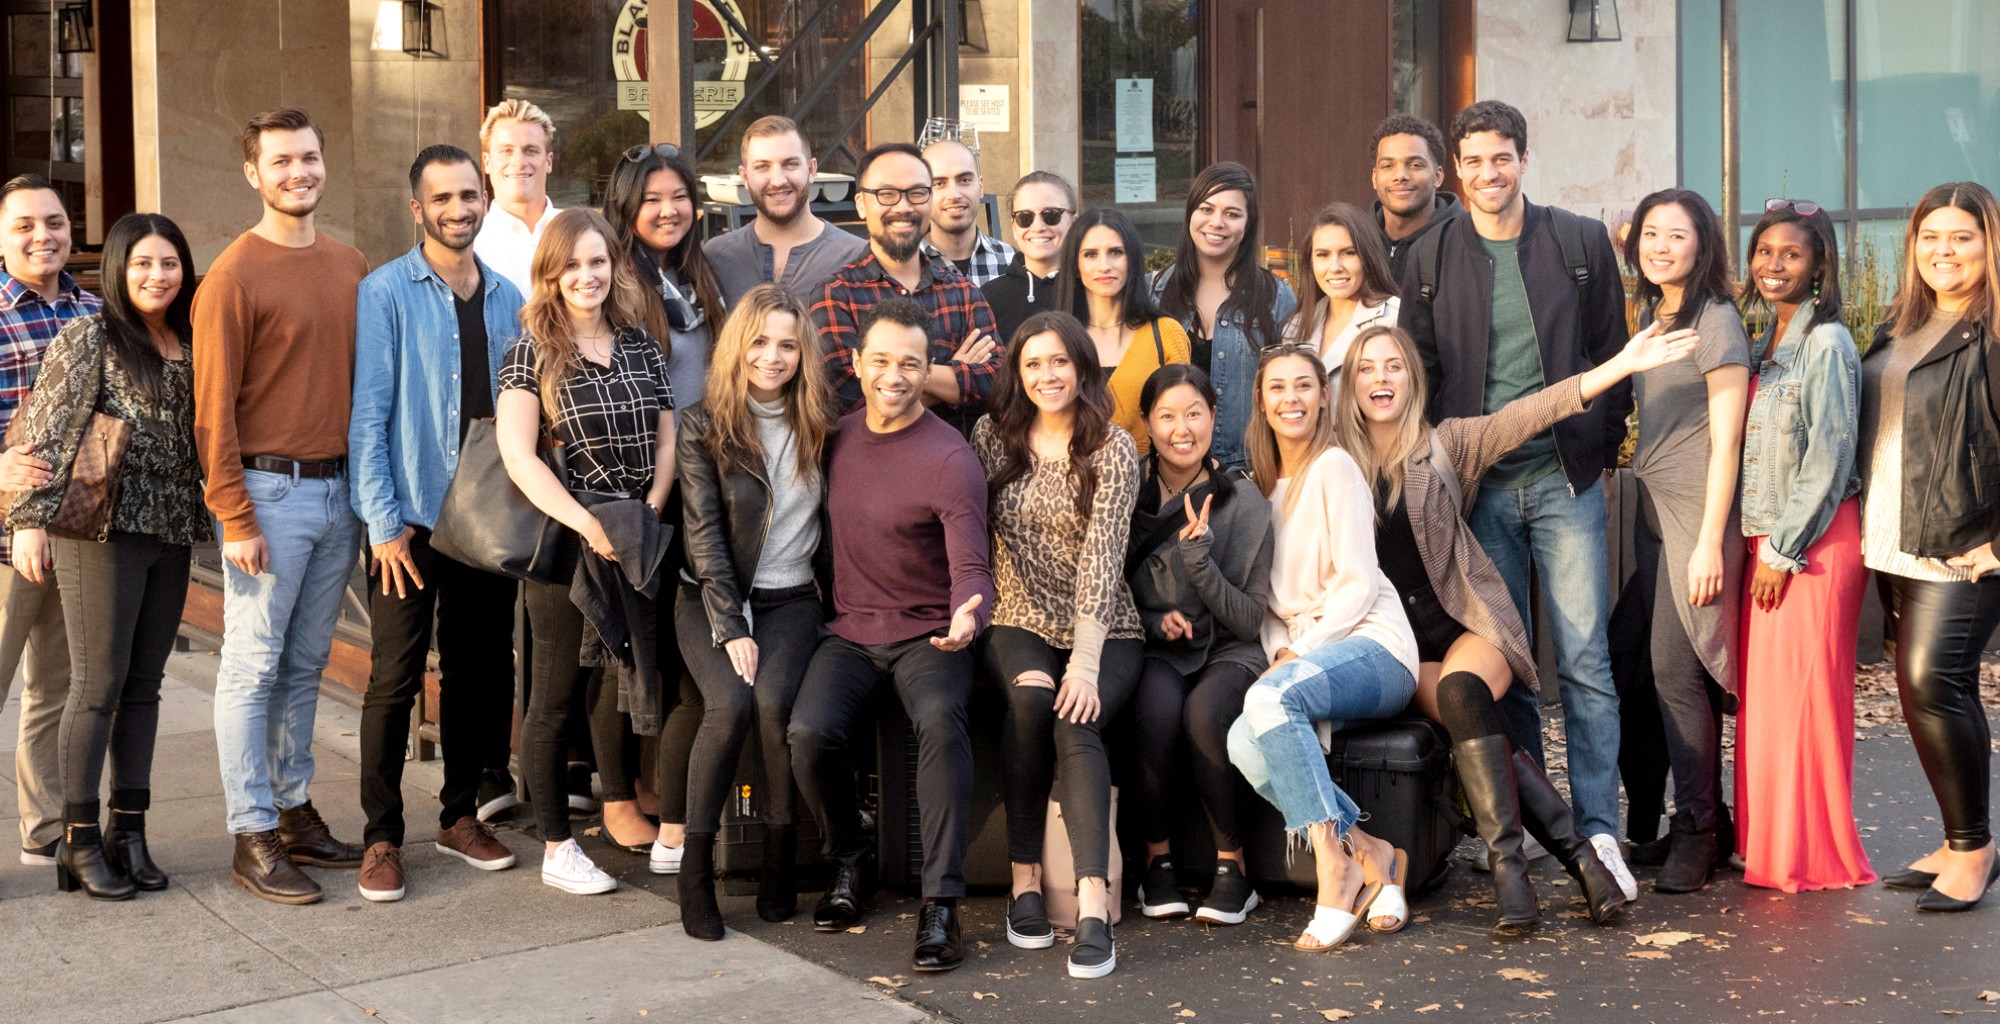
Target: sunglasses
665,149
1799,206
1025,219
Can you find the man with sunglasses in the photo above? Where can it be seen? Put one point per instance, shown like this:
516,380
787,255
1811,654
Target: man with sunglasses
956,194
893,195
786,244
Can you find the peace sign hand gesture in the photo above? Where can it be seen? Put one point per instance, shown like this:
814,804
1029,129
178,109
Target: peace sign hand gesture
1197,525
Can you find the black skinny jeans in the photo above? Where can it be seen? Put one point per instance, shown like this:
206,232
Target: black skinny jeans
474,613
1169,706
1041,746
1690,701
785,624
1940,630
122,600
558,628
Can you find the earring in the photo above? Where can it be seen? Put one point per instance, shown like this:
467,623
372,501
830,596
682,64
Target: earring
1815,288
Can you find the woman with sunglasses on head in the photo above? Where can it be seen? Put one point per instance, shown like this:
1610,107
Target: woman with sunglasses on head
1690,447
1104,285
1065,640
1200,568
1356,290
1220,292
1044,204
1930,510
1471,644
1802,606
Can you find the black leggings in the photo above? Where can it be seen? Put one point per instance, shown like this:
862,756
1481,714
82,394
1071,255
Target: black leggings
1940,631
558,629
1165,709
1037,744
1690,701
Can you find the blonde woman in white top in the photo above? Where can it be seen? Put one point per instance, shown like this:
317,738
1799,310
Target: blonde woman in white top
1340,645
1356,289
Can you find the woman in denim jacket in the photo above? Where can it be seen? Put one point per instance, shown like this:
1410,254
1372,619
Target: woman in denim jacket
1802,601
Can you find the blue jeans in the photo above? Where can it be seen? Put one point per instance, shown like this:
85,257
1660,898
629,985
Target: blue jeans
1275,746
1562,536
277,630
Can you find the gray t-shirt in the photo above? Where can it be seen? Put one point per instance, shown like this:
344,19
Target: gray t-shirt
742,261
793,534
1514,366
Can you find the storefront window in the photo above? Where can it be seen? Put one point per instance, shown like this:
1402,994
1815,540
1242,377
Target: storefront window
1928,96
1139,81
1415,87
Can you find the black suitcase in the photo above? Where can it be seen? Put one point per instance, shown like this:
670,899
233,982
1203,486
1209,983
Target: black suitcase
899,828
1399,771
739,846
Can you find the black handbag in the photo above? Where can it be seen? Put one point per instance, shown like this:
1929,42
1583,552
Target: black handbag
487,523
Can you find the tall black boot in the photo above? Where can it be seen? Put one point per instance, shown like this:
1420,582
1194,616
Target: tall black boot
778,886
1549,817
125,845
1485,768
81,864
700,917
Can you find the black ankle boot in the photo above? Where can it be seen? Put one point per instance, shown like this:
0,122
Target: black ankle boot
1690,861
1485,768
81,864
125,845
700,917
778,886
1549,818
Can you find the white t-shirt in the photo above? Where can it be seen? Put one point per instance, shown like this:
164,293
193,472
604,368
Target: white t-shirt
507,244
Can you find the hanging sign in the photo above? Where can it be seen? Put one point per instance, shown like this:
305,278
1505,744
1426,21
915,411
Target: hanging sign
722,59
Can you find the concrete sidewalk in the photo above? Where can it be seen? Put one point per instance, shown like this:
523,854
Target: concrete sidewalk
465,946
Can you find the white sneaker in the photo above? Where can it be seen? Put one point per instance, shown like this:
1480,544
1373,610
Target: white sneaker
571,870
1531,851
664,859
1614,858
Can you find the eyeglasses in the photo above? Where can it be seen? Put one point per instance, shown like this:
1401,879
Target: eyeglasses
1799,206
918,195
665,149
1025,219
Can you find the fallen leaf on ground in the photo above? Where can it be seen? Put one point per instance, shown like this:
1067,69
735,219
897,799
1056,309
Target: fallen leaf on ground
985,995
1523,974
1665,938
880,980
1650,954
1989,996
1335,1014
1427,1009
1540,995
857,929
1185,1013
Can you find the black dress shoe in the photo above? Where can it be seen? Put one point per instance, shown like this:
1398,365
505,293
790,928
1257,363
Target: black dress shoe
1910,878
840,907
308,840
938,947
81,864
1938,903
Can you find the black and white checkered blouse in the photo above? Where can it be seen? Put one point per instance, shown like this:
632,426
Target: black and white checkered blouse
607,415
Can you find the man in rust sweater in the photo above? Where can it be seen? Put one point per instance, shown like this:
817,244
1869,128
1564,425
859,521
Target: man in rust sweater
274,361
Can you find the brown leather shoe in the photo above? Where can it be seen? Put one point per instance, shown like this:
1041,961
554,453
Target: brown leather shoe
262,867
471,841
309,841
381,878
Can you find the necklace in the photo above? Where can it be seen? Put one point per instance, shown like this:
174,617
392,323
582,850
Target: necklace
1199,475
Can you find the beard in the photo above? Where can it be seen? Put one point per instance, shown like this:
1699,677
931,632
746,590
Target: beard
899,251
278,198
781,218
436,230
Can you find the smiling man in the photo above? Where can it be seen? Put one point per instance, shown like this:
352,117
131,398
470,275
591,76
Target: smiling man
956,194
1408,179
786,244
517,144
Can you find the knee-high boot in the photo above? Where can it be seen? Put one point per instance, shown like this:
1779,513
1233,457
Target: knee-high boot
1486,769
1549,817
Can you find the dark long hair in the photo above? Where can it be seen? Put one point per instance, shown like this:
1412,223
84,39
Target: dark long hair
1825,245
1252,289
622,199
1915,302
125,331
1377,283
1709,281
1135,305
1013,412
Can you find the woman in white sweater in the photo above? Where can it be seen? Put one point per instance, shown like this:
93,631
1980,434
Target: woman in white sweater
1340,646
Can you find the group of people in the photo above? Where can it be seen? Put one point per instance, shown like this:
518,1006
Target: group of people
794,468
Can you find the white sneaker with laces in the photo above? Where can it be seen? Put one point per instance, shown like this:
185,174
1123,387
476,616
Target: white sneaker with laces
664,859
1614,858
572,871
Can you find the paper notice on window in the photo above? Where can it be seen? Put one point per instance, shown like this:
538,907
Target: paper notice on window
1135,180
1135,115
985,107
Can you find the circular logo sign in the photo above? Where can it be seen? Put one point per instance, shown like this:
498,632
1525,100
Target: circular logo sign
722,58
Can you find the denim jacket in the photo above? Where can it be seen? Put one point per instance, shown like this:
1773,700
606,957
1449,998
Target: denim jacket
1232,368
1799,444
403,435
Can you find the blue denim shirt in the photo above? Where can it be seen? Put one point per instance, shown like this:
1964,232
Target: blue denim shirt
402,437
1799,444
1232,368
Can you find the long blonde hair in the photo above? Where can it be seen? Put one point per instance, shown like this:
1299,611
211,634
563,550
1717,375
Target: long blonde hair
545,317
808,400
1262,442
1382,469
1915,302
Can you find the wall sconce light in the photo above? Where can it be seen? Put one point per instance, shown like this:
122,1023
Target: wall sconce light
415,27
1593,21
73,29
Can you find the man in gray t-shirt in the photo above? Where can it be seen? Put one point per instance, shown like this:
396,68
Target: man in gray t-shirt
786,243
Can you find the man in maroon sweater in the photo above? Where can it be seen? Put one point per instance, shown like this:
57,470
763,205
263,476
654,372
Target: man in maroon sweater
911,590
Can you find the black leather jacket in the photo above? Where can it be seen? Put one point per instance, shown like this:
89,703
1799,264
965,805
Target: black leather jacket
1951,444
727,516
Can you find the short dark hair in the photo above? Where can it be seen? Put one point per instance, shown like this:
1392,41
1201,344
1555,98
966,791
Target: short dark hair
1409,124
1171,376
877,152
30,183
283,119
899,311
441,153
1491,116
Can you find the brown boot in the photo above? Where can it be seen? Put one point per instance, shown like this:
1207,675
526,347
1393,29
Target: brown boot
309,841
262,867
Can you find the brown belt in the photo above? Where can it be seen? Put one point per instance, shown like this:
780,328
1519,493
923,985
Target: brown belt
315,470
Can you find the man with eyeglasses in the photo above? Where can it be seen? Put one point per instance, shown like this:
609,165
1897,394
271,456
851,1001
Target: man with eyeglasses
786,244
893,195
956,192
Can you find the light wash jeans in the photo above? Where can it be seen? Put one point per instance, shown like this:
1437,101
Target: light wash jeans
1562,537
1274,743
277,631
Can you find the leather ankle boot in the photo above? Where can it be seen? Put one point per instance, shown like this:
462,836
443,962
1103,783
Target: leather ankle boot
308,840
1690,861
1549,818
81,864
125,844
1485,768
700,917
778,886
262,866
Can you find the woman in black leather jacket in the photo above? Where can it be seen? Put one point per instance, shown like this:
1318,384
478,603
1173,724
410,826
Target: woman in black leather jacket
1930,513
747,620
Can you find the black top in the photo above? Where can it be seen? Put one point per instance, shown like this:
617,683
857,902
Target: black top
1017,295
475,393
1200,347
1396,550
606,415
